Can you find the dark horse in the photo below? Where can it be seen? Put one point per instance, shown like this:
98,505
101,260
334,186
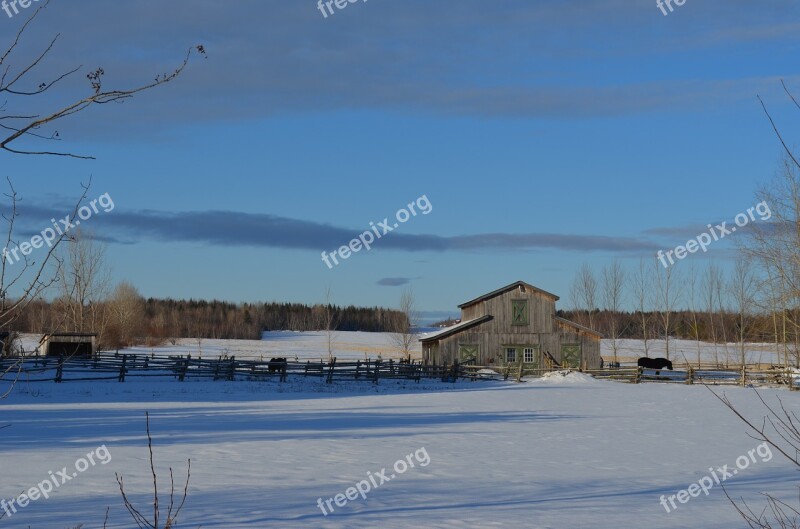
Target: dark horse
654,363
276,364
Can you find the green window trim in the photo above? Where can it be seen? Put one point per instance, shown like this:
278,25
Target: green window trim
527,354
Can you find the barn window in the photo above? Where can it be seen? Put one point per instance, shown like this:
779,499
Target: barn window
519,312
511,355
530,355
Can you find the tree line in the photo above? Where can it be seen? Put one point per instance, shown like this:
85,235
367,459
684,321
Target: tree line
125,318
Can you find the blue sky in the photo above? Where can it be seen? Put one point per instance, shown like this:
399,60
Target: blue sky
545,134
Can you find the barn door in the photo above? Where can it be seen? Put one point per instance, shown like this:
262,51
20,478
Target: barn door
571,355
467,354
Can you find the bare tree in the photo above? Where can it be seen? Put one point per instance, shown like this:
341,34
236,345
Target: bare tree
16,84
159,519
710,286
583,293
404,329
667,298
19,125
642,283
83,283
613,291
695,322
775,246
326,319
742,287
778,429
126,306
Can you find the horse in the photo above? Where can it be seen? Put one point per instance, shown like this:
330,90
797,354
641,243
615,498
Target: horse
654,363
276,364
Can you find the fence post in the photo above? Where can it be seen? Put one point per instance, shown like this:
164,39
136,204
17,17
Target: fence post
122,368
519,373
331,367
637,375
744,375
60,369
232,368
284,376
690,375
184,368
376,371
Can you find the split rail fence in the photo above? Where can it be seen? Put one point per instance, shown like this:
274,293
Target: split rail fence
121,367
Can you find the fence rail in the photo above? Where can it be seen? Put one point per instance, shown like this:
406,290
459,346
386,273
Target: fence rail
120,367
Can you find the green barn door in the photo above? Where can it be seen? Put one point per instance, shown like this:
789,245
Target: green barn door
467,354
571,355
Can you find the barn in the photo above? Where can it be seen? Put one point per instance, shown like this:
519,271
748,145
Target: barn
512,325
68,344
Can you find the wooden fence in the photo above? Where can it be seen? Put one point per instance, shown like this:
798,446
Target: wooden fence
120,367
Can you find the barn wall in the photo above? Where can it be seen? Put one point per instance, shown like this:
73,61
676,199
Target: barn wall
541,310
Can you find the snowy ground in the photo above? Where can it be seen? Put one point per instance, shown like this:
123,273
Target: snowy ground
291,344
560,452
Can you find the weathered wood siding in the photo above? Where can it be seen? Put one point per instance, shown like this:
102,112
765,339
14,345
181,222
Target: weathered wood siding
540,306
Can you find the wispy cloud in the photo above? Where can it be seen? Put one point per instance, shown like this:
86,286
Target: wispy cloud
230,228
393,281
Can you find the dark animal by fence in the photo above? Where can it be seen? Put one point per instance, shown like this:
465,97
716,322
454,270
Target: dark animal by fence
276,364
654,363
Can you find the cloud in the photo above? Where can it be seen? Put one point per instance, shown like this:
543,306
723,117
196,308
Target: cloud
237,229
393,281
269,58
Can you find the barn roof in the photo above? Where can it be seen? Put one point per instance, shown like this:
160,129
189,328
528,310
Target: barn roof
505,289
455,329
578,326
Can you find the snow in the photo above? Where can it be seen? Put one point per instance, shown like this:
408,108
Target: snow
555,452
567,377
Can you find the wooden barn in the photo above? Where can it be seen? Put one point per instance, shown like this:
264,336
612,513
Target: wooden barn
516,323
83,344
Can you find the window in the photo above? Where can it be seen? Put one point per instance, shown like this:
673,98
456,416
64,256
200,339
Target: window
511,355
527,354
530,355
519,312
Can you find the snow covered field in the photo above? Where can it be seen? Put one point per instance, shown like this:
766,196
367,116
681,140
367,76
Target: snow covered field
558,452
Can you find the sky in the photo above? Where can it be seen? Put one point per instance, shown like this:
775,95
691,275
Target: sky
532,137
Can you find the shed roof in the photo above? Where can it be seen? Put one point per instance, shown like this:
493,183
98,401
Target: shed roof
67,335
578,326
505,289
455,329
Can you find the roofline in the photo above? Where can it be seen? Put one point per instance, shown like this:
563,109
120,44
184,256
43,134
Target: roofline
463,326
506,289
579,326
68,334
